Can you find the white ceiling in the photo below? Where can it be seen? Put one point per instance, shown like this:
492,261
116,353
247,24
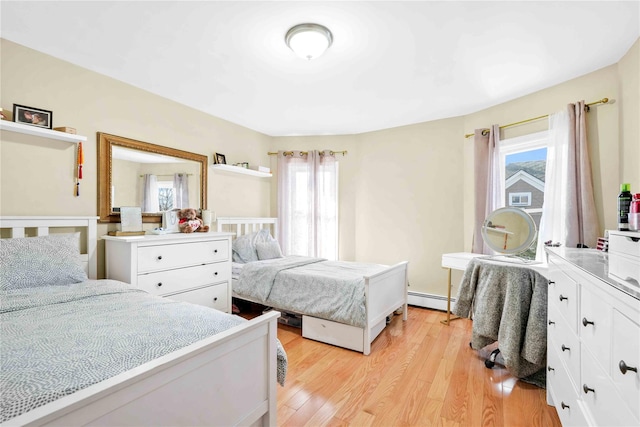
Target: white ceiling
391,63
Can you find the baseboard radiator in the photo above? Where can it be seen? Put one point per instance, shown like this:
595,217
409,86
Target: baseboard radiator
436,302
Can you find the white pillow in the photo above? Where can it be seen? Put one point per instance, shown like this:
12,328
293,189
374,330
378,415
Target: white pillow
244,247
268,250
40,261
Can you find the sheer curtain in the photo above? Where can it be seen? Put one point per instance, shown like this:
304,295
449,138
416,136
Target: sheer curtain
181,190
308,203
488,178
568,212
150,202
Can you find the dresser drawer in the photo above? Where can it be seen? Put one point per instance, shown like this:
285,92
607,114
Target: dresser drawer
626,243
600,396
172,281
210,296
563,392
626,349
163,257
563,295
595,325
568,351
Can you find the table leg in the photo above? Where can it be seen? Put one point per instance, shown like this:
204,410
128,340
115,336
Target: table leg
448,320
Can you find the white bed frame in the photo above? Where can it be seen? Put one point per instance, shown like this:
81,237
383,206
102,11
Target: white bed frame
385,292
227,379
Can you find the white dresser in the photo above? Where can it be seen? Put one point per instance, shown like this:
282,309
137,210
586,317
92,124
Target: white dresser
593,340
193,267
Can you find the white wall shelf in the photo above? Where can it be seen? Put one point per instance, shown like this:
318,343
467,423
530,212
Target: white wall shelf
238,169
41,132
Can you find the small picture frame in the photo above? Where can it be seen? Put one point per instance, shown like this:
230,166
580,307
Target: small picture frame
32,116
130,218
220,159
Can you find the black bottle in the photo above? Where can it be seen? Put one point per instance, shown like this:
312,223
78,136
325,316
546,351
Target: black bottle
624,201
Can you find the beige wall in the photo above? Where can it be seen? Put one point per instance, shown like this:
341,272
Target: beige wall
37,176
629,90
405,193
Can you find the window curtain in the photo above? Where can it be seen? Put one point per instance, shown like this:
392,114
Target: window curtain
181,190
150,202
568,213
487,182
308,203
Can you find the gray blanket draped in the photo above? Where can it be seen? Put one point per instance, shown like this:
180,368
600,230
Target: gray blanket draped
508,304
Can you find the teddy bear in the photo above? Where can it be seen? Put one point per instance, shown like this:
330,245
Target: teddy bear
189,221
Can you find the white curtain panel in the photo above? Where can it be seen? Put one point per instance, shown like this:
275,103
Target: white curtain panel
308,204
568,212
181,190
150,202
489,182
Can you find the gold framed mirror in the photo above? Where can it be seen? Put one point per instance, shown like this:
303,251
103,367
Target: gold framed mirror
123,165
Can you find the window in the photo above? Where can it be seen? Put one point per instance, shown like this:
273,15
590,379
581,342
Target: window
519,199
308,205
166,195
522,165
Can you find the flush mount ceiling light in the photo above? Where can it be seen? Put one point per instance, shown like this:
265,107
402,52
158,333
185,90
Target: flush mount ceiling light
309,40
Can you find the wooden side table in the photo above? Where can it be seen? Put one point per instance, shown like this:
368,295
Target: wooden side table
455,261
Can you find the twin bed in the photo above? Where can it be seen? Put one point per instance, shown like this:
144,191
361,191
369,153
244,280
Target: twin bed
341,303
77,351
80,351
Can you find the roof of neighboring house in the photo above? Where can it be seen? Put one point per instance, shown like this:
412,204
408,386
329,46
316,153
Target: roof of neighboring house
524,176
535,168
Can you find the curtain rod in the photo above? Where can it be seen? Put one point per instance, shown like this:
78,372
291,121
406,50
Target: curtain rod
290,153
163,174
602,101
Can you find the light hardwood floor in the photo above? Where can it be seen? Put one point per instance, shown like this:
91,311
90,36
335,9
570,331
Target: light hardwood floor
419,373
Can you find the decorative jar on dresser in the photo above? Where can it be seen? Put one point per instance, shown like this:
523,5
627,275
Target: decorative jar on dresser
190,267
593,335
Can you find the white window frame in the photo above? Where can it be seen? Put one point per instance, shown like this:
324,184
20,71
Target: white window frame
519,203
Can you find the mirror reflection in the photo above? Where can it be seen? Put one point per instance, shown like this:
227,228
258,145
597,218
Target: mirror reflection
156,178
161,182
509,231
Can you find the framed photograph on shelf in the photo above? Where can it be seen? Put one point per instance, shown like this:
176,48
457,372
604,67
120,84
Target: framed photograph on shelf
32,116
220,159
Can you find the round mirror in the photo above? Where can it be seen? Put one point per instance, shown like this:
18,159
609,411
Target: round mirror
509,231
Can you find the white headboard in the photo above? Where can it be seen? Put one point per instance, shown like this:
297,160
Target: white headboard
42,224
242,226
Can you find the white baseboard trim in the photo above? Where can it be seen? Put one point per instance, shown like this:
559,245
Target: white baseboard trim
436,302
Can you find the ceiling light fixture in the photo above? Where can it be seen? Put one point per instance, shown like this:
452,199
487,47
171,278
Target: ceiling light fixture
309,40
